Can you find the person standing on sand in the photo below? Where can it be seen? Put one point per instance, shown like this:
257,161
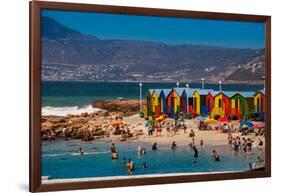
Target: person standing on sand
150,130
249,145
201,142
184,128
260,145
158,129
168,131
192,135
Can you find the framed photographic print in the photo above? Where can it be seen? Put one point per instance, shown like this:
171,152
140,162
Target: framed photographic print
123,96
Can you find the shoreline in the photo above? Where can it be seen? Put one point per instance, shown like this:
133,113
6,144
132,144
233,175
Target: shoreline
98,124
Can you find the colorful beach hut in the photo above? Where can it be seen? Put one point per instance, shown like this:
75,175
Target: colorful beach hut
173,103
222,104
190,92
183,99
210,101
163,100
259,101
200,101
148,102
242,103
155,102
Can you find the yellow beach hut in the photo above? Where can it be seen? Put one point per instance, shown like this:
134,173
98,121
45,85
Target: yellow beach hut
196,102
155,102
259,101
222,104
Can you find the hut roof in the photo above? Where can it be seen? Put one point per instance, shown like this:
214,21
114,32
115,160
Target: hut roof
151,90
227,93
166,92
247,94
259,91
179,90
158,91
191,91
205,91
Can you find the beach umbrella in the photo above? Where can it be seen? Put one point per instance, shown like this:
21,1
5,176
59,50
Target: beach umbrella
223,119
116,122
241,121
248,123
210,121
259,126
200,118
150,122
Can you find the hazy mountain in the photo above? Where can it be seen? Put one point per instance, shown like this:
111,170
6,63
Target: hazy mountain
69,55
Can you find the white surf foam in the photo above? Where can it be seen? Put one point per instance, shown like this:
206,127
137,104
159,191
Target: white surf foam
69,110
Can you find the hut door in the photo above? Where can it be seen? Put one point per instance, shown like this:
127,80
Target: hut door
195,104
208,106
258,104
261,106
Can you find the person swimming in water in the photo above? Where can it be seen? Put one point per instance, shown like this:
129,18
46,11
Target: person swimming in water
141,150
216,156
80,151
130,166
174,145
154,147
144,166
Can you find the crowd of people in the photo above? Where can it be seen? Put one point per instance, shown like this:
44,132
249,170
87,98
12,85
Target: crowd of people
244,144
172,128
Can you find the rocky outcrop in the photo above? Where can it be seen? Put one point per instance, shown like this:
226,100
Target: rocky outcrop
91,126
127,107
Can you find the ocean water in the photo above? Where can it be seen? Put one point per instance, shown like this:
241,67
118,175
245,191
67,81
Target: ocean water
60,160
61,98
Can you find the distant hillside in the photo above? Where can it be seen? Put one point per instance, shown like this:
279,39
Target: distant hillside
253,70
70,55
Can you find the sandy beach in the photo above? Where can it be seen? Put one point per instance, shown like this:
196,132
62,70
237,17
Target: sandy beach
211,138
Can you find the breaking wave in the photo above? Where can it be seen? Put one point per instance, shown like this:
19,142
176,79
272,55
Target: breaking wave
68,110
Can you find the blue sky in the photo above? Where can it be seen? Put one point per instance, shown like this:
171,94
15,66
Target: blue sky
163,29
